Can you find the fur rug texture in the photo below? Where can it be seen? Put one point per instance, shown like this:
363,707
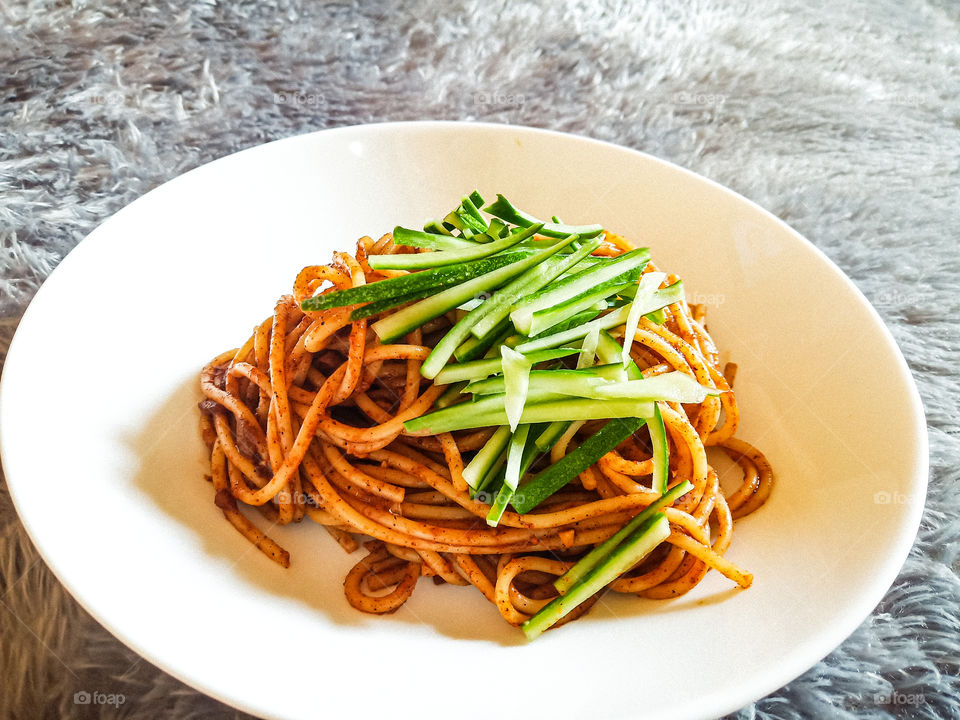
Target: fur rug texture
841,118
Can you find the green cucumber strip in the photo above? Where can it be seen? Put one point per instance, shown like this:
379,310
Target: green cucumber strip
441,258
606,384
515,453
563,381
479,369
593,558
497,228
504,495
498,469
547,318
659,299
516,383
581,318
503,209
406,284
527,249
433,228
470,208
493,352
490,481
498,306
609,351
548,481
530,453
444,349
478,468
375,308
588,349
554,431
451,396
591,261
649,284
604,322
657,316
479,227
621,270
413,316
647,537
673,386
470,304
472,348
546,407
429,240
539,243
467,226
661,451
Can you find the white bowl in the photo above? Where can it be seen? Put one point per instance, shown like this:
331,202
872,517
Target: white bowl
104,461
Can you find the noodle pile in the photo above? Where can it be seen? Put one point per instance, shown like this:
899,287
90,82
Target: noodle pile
305,420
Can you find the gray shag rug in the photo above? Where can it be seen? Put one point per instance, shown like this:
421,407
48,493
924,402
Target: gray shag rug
841,118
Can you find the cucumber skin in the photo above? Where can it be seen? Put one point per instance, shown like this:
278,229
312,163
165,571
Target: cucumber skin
551,479
392,287
636,547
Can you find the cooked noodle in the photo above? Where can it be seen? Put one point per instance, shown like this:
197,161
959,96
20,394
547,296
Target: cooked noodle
305,420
